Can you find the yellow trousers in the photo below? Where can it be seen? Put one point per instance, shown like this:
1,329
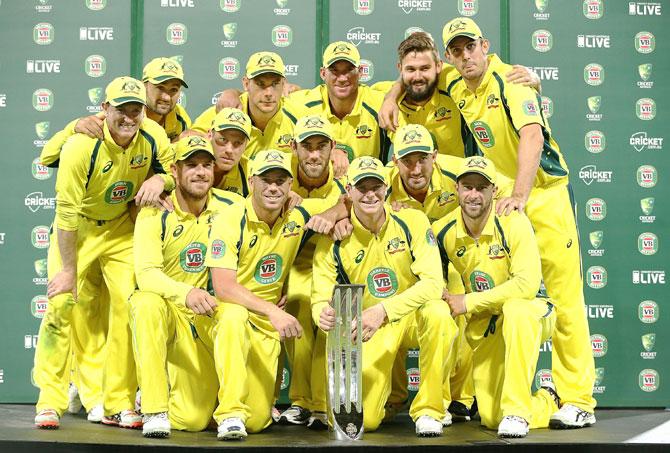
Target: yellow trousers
109,244
504,354
175,362
551,212
246,366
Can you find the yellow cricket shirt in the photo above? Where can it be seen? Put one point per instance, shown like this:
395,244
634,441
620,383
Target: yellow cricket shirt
97,178
236,180
176,122
203,123
261,256
503,264
400,267
358,133
496,112
170,247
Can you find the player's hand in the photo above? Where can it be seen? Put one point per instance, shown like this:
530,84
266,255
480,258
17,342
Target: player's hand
165,202
292,201
327,318
371,320
63,282
342,230
150,192
508,204
200,302
457,304
388,114
91,126
524,76
285,324
398,205
289,88
282,302
321,223
340,162
228,98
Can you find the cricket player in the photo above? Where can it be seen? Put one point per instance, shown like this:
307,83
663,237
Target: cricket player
251,250
229,136
498,260
350,108
394,255
171,309
92,227
271,114
314,180
510,127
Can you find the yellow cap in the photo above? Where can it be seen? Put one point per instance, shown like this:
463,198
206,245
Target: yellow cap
460,26
412,138
230,118
125,89
264,62
271,158
480,165
366,167
308,126
341,50
188,146
161,69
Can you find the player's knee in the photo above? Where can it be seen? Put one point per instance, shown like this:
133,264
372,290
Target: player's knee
371,420
146,305
231,314
192,421
256,424
516,309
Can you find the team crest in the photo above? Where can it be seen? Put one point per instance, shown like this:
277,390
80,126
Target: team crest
395,245
411,136
314,122
138,161
445,197
495,252
492,102
442,113
291,229
363,131
131,87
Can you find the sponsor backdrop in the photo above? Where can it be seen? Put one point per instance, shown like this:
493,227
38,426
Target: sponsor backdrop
608,61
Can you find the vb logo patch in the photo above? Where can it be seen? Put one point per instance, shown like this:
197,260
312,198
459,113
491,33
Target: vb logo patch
481,281
119,192
192,257
268,269
382,282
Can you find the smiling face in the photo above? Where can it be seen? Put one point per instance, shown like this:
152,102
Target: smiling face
416,170
468,56
313,155
367,196
123,121
419,72
228,146
475,195
265,91
194,176
270,189
341,79
163,97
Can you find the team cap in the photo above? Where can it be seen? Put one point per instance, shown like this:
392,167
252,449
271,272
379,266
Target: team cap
161,69
341,50
460,26
269,159
412,138
479,165
264,62
307,126
366,167
188,146
230,118
125,89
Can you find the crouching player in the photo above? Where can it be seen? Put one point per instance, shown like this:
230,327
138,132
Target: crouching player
395,256
499,263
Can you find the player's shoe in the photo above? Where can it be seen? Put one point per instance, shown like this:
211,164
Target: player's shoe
138,401
427,426
47,419
95,414
550,388
295,415
459,412
447,420
393,409
156,425
124,419
571,417
73,401
512,426
318,421
275,414
231,429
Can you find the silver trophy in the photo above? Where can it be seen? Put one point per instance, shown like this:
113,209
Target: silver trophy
345,366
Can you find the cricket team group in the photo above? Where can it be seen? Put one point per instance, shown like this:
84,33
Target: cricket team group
190,259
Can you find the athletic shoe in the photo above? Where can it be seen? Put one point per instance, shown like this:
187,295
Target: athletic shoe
156,425
393,409
95,414
427,426
294,415
124,419
512,426
73,401
447,420
47,419
138,401
571,417
275,414
231,429
459,412
550,388
318,421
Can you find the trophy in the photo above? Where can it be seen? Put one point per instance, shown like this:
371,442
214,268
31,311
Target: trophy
345,366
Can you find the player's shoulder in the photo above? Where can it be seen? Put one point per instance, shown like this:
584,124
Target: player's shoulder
79,146
411,217
448,165
514,222
149,213
309,97
179,110
372,98
153,129
225,198
446,223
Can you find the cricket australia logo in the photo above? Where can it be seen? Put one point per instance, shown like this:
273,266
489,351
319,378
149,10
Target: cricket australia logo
196,141
266,61
192,257
314,122
130,87
457,26
291,229
169,67
442,113
382,282
412,136
496,252
363,131
268,269
367,163
138,161
395,245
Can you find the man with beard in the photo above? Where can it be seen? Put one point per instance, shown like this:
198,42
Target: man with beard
312,146
229,135
97,181
498,260
171,309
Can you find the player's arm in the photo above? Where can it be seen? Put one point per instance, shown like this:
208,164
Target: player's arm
324,279
203,123
525,269
153,187
322,222
89,125
388,113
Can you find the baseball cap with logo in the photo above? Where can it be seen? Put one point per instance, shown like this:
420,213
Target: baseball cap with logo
311,125
230,118
270,159
412,138
161,69
125,89
479,165
188,146
366,167
264,62
341,50
460,26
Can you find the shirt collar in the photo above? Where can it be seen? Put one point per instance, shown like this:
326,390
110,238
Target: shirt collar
461,232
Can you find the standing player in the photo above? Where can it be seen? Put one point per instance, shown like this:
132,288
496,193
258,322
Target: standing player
96,181
509,124
395,256
251,249
171,310
229,135
498,260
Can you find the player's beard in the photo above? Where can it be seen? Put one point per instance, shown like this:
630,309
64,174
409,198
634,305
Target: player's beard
420,95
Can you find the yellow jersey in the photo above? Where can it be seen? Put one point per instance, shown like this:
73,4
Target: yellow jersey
203,123
236,180
176,122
